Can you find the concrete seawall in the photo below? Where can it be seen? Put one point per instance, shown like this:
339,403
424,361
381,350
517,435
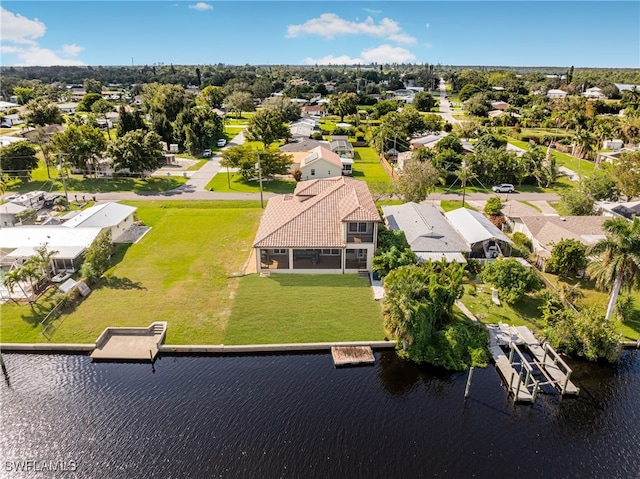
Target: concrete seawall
46,348
197,349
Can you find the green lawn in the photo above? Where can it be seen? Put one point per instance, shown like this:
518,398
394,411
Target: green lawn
76,183
235,183
198,165
524,313
448,205
180,272
367,166
288,308
578,166
599,299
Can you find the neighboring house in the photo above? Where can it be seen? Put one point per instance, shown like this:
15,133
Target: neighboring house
303,128
628,210
594,92
429,234
68,108
612,144
8,212
7,105
428,141
546,231
313,111
19,243
500,113
554,93
613,156
325,226
341,146
626,87
32,199
481,236
499,105
320,163
301,144
113,216
77,94
6,140
11,120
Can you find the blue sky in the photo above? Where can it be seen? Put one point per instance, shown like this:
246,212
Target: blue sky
513,33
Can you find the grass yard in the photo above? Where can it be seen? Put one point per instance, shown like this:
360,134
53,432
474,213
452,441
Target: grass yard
367,166
448,205
562,159
235,183
524,313
594,298
290,308
180,272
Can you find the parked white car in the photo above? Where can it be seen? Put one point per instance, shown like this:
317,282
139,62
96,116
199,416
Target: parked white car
222,142
503,188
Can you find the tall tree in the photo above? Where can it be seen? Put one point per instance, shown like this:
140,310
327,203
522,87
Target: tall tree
138,151
266,126
626,171
88,100
423,101
417,180
617,262
42,112
129,121
240,101
81,145
289,110
345,103
18,160
91,85
272,162
211,96
101,108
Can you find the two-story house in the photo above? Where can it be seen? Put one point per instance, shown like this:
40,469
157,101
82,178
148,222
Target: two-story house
326,226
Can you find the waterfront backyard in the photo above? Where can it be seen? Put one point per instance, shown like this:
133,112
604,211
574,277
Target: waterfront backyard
188,271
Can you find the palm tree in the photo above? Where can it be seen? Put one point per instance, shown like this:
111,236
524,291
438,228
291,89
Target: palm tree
14,278
42,260
617,258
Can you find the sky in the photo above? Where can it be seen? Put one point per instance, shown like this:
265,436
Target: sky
307,32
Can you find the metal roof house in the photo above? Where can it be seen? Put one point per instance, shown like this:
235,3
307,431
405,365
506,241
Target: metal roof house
429,234
480,234
115,216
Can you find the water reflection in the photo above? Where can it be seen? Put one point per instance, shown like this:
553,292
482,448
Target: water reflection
297,416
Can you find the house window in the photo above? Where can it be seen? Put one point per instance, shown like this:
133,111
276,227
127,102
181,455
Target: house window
357,227
362,254
328,172
280,251
330,252
313,172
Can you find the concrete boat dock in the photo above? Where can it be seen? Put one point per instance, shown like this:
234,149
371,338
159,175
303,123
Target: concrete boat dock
130,344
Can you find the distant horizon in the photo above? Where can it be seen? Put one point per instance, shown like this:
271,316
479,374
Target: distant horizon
520,34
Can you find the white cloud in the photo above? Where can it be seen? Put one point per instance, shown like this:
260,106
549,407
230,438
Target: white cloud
330,25
18,29
387,54
201,6
371,10
380,54
427,25
36,56
72,50
18,35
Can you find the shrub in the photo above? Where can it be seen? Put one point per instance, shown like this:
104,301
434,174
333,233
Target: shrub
511,278
567,257
297,174
316,136
473,266
493,206
521,240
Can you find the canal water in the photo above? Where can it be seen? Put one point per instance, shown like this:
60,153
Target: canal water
296,416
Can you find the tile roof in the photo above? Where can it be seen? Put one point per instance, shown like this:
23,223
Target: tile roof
313,216
552,229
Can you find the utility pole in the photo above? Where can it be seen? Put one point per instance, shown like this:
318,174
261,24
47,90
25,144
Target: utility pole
259,168
64,178
464,181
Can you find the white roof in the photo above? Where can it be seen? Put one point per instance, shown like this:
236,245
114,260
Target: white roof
22,240
103,215
475,227
11,209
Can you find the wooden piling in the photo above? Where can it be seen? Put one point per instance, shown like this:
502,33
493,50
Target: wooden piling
466,389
